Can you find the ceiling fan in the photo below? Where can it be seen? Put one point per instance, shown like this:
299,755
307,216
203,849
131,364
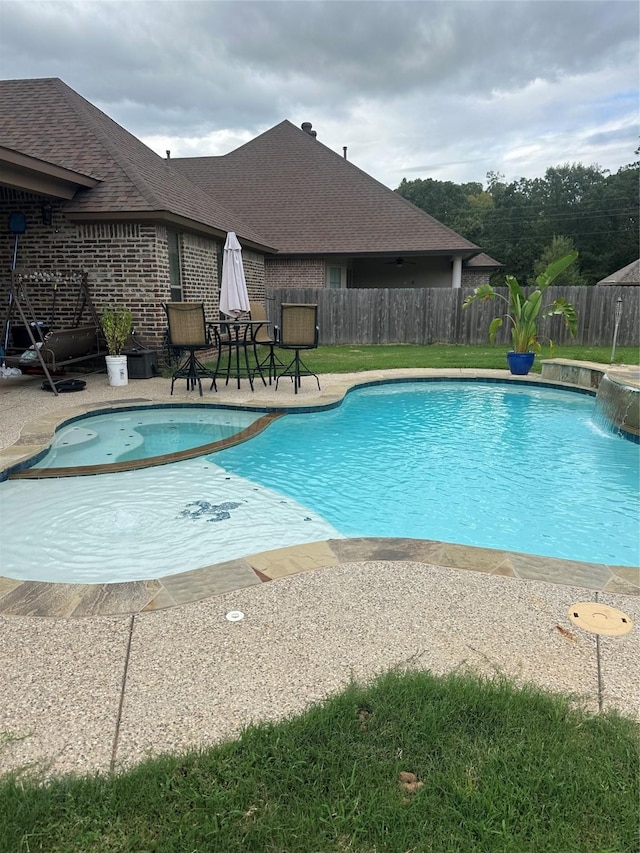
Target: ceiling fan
399,262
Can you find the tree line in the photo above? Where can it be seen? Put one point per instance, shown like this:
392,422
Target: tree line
529,222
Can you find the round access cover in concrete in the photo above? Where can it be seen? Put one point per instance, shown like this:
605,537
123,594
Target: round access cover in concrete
235,616
600,619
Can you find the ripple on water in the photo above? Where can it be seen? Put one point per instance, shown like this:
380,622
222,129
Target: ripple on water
136,525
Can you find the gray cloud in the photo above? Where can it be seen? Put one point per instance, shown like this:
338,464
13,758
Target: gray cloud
404,75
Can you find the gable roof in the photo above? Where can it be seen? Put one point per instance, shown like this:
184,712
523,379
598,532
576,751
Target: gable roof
482,261
46,120
306,199
627,275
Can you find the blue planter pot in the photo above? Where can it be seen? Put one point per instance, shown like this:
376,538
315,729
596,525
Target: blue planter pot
520,363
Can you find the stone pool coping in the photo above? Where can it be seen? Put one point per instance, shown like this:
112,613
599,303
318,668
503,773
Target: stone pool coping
39,598
36,598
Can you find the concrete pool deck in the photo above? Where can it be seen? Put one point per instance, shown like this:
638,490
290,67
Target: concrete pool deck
97,681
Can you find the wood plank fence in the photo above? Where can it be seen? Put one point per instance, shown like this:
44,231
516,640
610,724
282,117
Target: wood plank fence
435,315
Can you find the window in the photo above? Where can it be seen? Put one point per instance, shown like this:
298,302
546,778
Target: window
335,276
175,266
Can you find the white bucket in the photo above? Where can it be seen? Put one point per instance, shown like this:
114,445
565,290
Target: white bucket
117,369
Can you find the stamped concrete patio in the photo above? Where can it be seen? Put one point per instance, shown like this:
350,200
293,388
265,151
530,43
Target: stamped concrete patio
96,677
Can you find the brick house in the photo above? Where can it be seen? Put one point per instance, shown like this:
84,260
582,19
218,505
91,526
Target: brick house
148,229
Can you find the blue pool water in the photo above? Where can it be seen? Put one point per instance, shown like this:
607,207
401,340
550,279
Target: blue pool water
492,465
497,466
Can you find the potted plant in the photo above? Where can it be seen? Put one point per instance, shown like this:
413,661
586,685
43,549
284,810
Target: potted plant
524,312
116,327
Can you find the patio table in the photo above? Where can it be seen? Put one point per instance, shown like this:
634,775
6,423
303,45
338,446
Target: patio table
234,337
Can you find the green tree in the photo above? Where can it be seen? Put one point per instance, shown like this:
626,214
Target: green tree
513,228
447,202
558,248
517,222
610,224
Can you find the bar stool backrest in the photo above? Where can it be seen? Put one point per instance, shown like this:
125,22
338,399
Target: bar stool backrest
298,325
187,324
258,312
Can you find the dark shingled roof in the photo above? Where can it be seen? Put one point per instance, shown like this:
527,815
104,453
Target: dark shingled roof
627,275
482,261
44,118
306,199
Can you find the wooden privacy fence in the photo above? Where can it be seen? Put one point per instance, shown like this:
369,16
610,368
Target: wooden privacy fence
434,315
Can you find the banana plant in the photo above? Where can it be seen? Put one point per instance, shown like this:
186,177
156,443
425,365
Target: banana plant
524,312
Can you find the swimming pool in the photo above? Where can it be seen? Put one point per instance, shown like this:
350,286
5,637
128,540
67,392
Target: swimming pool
493,465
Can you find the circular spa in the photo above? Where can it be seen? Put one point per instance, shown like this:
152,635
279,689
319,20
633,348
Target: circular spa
138,437
495,465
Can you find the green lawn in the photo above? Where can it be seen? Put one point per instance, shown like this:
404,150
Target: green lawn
351,359
497,769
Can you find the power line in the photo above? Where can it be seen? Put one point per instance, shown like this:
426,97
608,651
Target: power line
541,214
570,234
506,220
539,208
515,218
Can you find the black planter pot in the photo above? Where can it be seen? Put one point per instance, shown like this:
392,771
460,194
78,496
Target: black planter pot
520,363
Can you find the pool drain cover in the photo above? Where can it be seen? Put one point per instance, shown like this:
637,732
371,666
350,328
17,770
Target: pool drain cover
600,619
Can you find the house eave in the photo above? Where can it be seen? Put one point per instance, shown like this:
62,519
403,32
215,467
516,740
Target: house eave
165,217
433,253
22,172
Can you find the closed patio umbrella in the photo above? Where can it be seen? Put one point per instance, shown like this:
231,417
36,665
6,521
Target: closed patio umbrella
234,297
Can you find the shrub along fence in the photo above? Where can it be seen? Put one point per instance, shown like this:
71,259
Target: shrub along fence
434,315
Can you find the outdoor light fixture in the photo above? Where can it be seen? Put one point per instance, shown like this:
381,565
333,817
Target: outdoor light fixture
618,317
47,214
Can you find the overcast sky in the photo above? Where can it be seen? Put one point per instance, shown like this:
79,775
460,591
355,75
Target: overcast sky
446,90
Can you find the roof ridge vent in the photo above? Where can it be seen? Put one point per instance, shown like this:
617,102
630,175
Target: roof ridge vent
306,126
